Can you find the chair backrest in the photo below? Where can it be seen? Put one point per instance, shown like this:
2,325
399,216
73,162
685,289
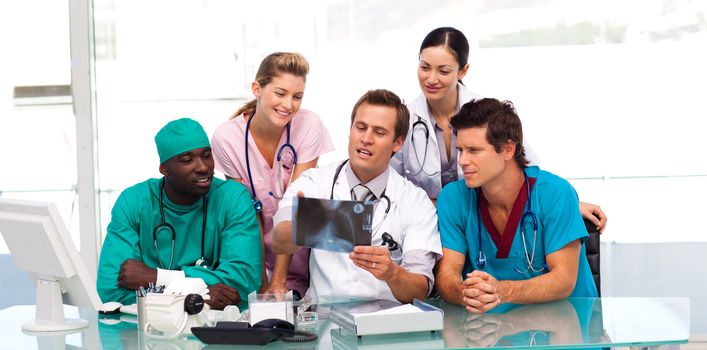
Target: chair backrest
592,247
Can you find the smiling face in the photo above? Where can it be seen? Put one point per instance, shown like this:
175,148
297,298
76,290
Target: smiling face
279,100
188,175
438,73
372,140
479,160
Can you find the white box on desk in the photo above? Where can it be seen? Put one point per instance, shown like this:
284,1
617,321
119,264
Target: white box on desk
390,317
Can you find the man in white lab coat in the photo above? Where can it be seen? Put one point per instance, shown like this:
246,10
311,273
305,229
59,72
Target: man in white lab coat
379,123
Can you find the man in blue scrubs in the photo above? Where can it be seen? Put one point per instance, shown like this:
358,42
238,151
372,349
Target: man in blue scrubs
510,233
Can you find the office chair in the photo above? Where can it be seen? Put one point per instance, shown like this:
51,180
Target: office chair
592,247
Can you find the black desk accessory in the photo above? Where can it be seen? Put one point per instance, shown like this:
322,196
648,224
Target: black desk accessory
242,333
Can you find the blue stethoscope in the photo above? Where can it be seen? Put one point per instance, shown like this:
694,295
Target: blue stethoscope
165,226
527,215
287,146
420,124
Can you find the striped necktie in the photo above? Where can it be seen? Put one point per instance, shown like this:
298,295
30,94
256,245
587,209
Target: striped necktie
361,193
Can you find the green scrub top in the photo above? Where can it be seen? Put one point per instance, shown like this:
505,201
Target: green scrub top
232,242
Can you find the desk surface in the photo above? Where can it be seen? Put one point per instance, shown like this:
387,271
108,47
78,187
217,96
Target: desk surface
568,324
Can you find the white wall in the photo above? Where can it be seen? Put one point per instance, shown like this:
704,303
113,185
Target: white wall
659,270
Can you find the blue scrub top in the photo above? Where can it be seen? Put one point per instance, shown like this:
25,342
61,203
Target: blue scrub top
556,206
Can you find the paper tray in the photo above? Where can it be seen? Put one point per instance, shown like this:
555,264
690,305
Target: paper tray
343,339
424,317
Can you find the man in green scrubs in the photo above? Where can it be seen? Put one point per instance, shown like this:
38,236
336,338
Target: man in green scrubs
187,223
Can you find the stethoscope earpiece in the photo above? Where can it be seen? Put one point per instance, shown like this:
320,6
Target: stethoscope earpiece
202,262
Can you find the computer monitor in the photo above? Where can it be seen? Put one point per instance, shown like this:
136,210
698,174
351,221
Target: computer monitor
40,244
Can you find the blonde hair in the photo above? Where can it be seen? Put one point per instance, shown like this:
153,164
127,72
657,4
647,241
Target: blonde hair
273,65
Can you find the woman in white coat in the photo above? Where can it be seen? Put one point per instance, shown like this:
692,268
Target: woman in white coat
428,157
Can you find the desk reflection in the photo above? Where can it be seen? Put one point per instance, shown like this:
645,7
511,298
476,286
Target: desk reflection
575,321
116,335
572,323
565,322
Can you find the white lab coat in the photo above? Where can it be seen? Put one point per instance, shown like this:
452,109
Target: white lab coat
407,163
412,221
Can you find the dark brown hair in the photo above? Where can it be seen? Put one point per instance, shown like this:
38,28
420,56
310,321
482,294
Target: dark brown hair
452,39
501,120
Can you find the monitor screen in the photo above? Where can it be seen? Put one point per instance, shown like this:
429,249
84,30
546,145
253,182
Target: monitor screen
40,244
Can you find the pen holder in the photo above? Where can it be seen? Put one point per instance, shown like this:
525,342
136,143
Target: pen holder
265,306
141,313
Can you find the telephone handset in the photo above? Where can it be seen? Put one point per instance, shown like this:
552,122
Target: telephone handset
261,333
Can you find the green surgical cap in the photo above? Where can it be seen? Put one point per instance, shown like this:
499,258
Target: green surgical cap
180,136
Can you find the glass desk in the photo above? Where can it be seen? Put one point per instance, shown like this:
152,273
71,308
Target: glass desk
575,323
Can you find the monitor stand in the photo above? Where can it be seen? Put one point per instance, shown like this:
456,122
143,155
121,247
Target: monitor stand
49,316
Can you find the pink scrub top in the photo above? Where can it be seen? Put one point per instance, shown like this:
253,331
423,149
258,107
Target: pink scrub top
309,137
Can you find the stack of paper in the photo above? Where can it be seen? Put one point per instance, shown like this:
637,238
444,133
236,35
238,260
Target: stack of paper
165,311
187,285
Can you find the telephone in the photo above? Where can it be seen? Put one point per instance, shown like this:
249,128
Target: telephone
242,333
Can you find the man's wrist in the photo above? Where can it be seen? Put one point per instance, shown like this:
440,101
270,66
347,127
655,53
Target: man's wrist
504,290
277,281
460,292
396,274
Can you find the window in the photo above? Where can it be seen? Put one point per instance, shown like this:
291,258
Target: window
37,131
610,92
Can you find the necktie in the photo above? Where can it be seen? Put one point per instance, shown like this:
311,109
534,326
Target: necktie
361,193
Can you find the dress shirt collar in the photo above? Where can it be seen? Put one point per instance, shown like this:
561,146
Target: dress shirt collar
377,185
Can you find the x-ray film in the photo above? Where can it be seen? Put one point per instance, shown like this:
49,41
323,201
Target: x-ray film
332,225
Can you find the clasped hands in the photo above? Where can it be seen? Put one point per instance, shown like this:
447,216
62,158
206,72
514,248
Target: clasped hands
134,274
480,292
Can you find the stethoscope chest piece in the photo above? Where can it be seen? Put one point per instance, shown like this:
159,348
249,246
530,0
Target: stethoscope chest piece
202,262
257,204
481,260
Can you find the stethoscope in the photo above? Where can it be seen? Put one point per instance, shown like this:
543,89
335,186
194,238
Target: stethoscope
257,204
202,262
528,214
420,123
382,197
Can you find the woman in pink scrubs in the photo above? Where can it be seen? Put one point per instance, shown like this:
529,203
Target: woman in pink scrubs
267,144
